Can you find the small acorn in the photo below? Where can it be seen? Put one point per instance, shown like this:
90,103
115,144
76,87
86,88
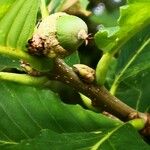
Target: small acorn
58,35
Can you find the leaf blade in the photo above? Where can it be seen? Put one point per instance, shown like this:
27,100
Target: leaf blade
27,110
129,24
102,140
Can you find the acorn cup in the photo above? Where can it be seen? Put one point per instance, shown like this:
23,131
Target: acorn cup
58,35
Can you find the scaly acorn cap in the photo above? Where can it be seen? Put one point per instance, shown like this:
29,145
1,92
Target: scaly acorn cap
58,35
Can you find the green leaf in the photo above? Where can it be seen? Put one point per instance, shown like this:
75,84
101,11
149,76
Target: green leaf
105,18
75,7
111,73
131,74
135,55
4,6
18,24
84,3
70,6
54,4
105,38
135,91
133,17
6,62
26,110
100,140
16,28
138,1
72,59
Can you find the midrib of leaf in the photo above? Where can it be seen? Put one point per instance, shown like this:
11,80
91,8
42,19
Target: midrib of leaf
41,64
106,137
7,142
131,60
4,135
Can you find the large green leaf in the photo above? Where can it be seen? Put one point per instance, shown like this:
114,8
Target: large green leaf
4,6
18,24
26,111
16,28
98,140
135,55
131,75
133,17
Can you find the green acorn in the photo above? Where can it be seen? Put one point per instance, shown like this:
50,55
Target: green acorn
58,35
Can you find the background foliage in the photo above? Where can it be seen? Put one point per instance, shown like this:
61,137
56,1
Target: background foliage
36,117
